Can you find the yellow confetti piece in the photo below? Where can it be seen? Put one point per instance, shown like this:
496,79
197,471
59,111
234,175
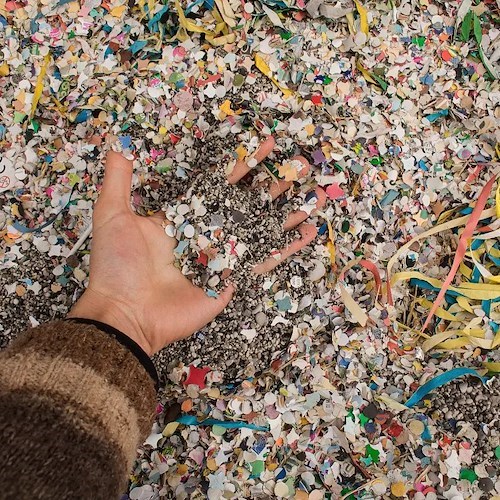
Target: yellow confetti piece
398,489
186,23
440,338
265,70
363,17
350,23
4,69
118,11
365,73
310,129
241,152
225,107
288,171
39,85
226,12
464,304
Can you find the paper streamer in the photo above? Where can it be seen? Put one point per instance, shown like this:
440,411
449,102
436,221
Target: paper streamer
363,17
436,229
24,229
439,381
39,85
462,246
192,420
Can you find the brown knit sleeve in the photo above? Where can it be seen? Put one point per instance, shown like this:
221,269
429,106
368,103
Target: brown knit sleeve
74,405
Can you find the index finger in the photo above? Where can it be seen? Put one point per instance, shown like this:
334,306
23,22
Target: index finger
241,168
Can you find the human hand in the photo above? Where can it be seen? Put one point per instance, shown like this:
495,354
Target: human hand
134,285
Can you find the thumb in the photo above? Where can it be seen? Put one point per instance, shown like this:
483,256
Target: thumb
115,192
207,308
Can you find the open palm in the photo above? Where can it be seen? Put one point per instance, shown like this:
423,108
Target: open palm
134,285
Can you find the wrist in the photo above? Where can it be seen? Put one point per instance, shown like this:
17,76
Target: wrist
98,307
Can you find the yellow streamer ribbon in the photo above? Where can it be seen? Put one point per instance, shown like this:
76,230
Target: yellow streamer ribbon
39,85
476,291
363,17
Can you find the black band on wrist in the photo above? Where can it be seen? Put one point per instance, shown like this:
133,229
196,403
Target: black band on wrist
126,342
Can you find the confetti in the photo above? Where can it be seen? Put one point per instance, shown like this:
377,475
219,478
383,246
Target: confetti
315,365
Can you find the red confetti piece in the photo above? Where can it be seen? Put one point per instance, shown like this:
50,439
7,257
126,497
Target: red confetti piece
446,56
202,259
334,192
197,376
317,99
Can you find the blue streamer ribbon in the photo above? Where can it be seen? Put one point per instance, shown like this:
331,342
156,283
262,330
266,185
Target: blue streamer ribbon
440,380
192,420
25,229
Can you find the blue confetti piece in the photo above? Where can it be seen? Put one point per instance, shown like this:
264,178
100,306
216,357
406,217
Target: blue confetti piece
280,473
83,116
427,79
391,195
494,326
125,141
439,114
476,275
426,435
323,229
439,381
154,21
211,293
181,246
3,131
192,420
495,260
137,45
423,166
3,21
476,244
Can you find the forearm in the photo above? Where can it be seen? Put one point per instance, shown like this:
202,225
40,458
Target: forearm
74,405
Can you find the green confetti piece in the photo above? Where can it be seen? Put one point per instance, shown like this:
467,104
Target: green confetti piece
19,117
419,40
257,467
372,453
497,452
218,430
73,179
468,474
363,419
